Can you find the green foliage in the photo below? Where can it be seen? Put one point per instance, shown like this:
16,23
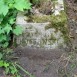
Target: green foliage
22,4
6,5
8,13
59,22
3,8
17,30
11,68
6,64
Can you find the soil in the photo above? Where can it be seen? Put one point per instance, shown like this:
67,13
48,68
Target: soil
39,62
46,63
71,10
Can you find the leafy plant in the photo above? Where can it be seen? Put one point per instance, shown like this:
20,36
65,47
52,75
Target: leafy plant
9,66
8,13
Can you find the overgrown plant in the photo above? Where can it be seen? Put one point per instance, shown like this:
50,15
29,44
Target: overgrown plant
8,13
11,67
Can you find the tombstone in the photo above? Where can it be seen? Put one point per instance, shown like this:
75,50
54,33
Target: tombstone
35,35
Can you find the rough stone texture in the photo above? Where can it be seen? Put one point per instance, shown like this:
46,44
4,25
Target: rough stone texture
71,10
34,35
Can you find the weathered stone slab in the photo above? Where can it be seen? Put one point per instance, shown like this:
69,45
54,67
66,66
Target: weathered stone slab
35,35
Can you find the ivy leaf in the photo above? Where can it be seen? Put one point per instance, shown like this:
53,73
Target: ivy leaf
27,5
17,30
1,30
2,37
3,8
22,4
5,44
7,28
9,1
1,18
12,20
13,71
6,64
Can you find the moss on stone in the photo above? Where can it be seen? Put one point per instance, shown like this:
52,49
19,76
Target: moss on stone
41,19
53,38
59,22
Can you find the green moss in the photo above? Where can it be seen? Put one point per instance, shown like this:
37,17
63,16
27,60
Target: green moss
48,26
41,19
58,22
52,37
41,43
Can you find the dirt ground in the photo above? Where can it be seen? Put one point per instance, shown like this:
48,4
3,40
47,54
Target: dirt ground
47,63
